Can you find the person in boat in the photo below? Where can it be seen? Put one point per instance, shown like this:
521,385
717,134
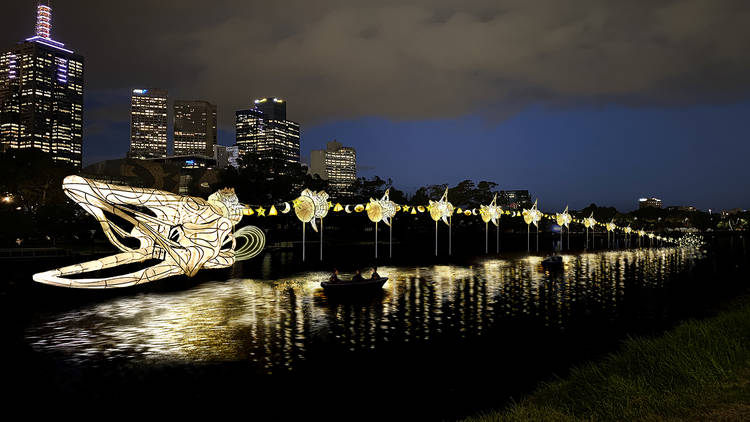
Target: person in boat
335,276
358,276
375,274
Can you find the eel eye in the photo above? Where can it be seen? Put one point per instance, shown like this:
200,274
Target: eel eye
175,233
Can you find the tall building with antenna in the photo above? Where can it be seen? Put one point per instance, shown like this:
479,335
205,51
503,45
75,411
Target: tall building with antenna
41,94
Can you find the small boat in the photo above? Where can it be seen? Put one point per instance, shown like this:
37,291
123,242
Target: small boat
353,286
552,262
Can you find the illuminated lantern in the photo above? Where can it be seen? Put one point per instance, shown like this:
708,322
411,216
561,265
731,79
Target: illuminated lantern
442,210
347,210
383,210
492,213
309,206
273,211
610,227
564,220
589,222
287,208
420,208
532,216
338,208
467,212
359,208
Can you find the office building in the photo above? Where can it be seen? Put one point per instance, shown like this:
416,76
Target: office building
194,127
649,202
264,133
148,123
41,95
337,164
514,199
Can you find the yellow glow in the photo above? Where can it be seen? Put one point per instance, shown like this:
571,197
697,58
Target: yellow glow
261,211
338,207
420,208
359,208
273,211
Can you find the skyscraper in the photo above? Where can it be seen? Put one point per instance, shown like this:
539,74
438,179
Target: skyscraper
41,94
194,128
148,123
265,132
337,164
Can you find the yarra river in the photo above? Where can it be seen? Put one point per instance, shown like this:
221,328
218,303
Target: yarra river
439,341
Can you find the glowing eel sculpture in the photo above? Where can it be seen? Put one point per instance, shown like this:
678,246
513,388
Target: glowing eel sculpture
184,233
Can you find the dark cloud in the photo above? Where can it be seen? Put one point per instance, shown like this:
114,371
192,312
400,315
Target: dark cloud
404,59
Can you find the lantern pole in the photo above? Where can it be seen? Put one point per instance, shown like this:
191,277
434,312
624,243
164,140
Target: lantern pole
486,237
450,231
436,239
390,240
321,239
528,241
376,240
303,242
497,238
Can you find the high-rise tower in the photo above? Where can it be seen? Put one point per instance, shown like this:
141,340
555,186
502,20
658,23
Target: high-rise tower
194,128
148,123
337,164
41,94
265,133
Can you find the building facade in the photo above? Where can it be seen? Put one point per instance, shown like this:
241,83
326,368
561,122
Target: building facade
41,95
148,123
263,132
337,164
649,202
194,127
514,199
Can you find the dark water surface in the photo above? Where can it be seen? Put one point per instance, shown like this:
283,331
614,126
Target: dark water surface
439,342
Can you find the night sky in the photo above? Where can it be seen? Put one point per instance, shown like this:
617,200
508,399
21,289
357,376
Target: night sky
577,101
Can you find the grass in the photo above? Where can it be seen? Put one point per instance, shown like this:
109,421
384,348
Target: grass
700,370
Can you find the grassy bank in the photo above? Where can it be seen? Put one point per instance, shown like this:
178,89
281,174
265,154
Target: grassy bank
698,371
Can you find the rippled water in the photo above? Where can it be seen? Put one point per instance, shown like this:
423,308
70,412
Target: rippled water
274,325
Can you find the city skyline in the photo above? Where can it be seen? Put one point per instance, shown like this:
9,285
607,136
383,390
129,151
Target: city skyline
552,132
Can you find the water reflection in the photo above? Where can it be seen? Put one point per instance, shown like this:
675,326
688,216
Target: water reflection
276,325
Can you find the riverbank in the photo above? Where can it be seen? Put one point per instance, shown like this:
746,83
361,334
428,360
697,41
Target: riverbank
700,370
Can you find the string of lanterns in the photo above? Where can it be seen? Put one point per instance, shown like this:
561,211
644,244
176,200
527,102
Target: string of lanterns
311,206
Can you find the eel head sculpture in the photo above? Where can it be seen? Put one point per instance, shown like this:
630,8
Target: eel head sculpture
183,233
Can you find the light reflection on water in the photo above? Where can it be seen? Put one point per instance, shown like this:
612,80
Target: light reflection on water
276,324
